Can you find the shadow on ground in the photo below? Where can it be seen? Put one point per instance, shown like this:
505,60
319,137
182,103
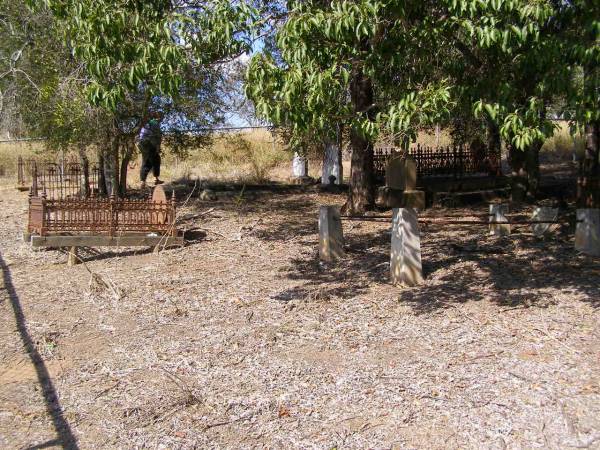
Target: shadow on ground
65,437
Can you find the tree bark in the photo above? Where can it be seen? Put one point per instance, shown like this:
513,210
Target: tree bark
128,147
532,167
102,188
494,144
85,165
361,195
519,178
589,182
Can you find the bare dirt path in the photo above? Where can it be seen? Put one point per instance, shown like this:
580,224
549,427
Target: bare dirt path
242,339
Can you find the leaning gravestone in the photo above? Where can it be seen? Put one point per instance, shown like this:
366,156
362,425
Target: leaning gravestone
332,165
405,260
331,237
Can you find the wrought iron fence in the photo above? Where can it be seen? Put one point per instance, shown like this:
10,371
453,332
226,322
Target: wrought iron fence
59,180
105,216
455,161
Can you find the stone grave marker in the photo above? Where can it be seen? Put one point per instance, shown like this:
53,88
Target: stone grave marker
332,165
401,173
542,214
405,260
299,166
331,237
499,225
587,232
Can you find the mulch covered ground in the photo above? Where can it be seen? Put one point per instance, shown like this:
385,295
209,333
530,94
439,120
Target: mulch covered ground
243,339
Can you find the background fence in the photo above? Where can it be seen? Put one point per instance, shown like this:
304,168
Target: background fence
453,161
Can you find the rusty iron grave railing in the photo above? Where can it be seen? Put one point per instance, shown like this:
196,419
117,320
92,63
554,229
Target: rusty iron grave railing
67,180
97,221
452,161
96,215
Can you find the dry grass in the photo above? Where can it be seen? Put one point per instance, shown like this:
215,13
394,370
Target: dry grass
562,145
256,156
10,152
242,339
248,156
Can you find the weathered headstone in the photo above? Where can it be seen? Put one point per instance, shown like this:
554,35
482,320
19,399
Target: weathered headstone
299,166
331,237
401,182
405,260
401,173
543,214
587,232
332,164
159,196
499,225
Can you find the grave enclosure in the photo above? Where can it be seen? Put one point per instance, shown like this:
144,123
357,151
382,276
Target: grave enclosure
65,211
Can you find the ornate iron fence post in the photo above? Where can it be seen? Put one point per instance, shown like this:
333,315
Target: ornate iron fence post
112,213
44,214
172,215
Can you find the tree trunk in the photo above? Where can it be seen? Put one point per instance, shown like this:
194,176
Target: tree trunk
127,153
588,195
111,168
494,144
102,188
85,165
361,195
519,178
532,168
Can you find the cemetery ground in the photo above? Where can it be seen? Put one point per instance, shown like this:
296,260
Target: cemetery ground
242,339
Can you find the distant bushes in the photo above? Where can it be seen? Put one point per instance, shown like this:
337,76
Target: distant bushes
561,146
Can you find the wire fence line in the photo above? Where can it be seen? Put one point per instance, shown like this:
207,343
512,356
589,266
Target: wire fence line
191,130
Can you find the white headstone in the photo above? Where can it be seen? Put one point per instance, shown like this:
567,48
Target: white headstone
587,232
405,260
332,164
499,225
299,166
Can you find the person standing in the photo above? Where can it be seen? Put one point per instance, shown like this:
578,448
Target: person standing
149,141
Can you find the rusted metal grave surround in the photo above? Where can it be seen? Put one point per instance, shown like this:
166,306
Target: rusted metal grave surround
101,216
455,161
60,180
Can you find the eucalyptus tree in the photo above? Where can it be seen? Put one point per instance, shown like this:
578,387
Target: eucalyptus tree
578,38
366,65
507,73
32,60
395,66
156,54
